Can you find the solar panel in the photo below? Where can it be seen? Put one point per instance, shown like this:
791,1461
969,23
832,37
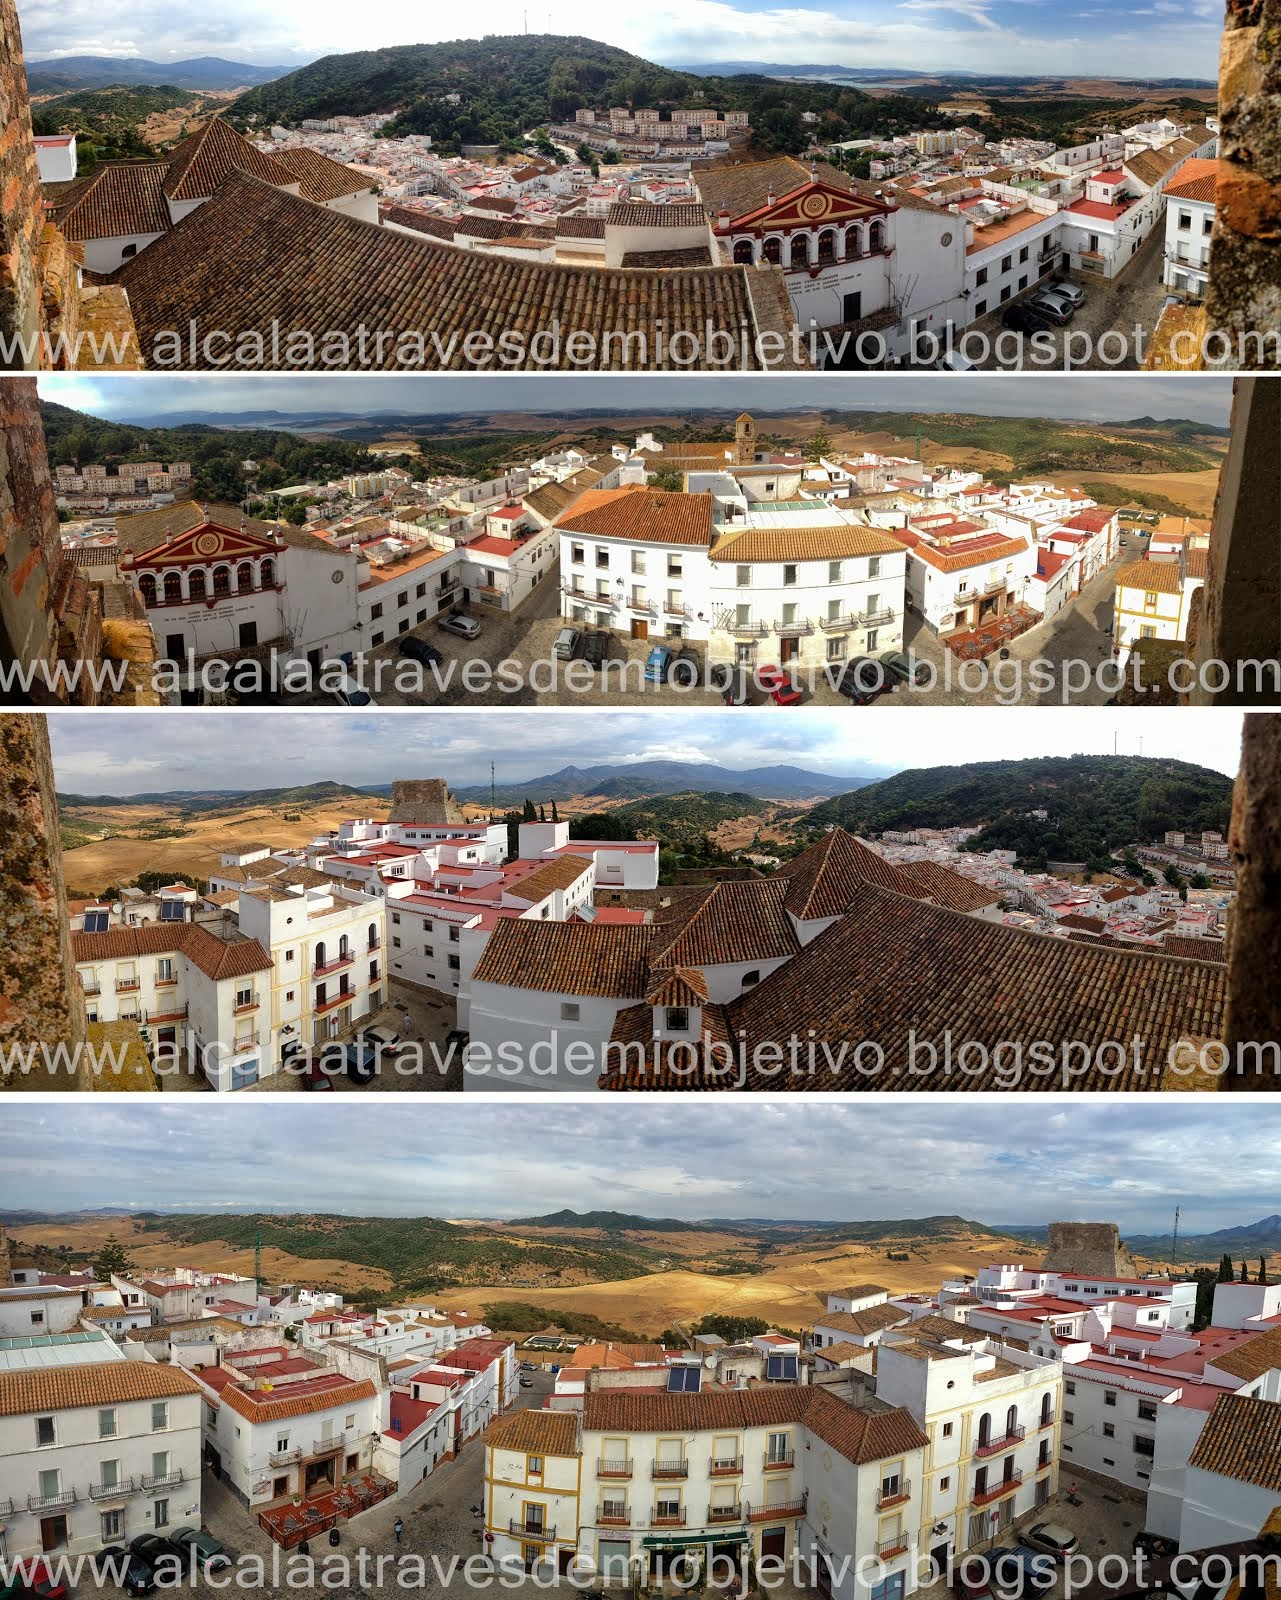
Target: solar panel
96,921
172,911
684,1380
780,1366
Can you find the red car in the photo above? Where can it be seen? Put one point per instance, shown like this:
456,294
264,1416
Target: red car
780,688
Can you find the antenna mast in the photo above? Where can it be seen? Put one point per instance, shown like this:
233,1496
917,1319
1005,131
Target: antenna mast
258,1256
493,803
1174,1240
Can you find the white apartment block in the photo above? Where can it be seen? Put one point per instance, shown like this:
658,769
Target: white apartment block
1189,222
95,1449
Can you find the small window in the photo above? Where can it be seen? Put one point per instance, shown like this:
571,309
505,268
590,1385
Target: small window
677,1019
947,1430
569,1011
944,1485
45,1432
536,1466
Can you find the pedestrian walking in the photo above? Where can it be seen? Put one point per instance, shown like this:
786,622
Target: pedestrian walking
399,1529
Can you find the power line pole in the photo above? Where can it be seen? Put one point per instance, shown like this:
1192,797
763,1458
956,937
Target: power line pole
1174,1241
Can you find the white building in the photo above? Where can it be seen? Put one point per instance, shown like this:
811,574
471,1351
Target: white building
95,1449
1189,222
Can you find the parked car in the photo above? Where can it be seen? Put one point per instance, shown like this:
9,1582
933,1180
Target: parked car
862,680
729,682
1070,292
967,1588
527,1383
1016,1570
952,361
131,1572
528,1366
1024,319
419,650
40,1581
464,626
904,668
657,663
348,692
1050,305
780,688
595,649
1052,1538
361,1062
155,1548
685,668
208,1553
381,1037
568,644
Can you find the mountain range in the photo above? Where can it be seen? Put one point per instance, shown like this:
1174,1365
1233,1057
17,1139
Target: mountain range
636,778
61,73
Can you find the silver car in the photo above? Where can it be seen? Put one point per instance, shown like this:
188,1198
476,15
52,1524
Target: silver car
464,627
1067,291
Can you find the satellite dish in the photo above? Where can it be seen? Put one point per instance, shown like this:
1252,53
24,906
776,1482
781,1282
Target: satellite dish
117,909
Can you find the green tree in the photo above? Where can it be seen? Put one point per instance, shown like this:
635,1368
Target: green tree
1263,1269
818,446
1226,1272
111,1258
668,479
1245,1276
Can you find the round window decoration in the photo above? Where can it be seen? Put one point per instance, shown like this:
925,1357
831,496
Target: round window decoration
814,205
208,544
946,240
336,577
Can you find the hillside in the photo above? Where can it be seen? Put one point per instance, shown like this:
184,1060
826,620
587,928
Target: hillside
1095,803
74,438
196,801
510,84
98,72
1249,1241
608,1222
111,124
638,779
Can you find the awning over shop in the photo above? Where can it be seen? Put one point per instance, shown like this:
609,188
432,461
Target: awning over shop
675,1541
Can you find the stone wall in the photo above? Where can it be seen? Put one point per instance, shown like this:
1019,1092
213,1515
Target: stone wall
1093,1249
426,801
51,612
1236,615
39,269
1254,932
40,998
1245,251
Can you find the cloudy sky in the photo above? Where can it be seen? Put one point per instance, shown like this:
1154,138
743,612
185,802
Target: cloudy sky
130,752
159,399
994,1161
1155,37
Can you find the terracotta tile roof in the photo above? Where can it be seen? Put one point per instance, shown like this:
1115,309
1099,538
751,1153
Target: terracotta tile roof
550,500
217,958
745,187
729,922
860,1436
1196,181
563,872
966,553
540,1433
805,544
204,159
942,1328
860,1291
1161,577
841,1350
693,256
822,880
120,198
1150,166
617,1354
676,986
641,214
274,265
568,958
98,1384
983,982
927,880
1241,1440
420,222
875,1319
318,177
1254,1357
142,531
649,516
1195,949
1196,563
256,1406
576,226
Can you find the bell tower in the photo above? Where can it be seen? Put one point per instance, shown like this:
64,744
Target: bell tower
744,441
